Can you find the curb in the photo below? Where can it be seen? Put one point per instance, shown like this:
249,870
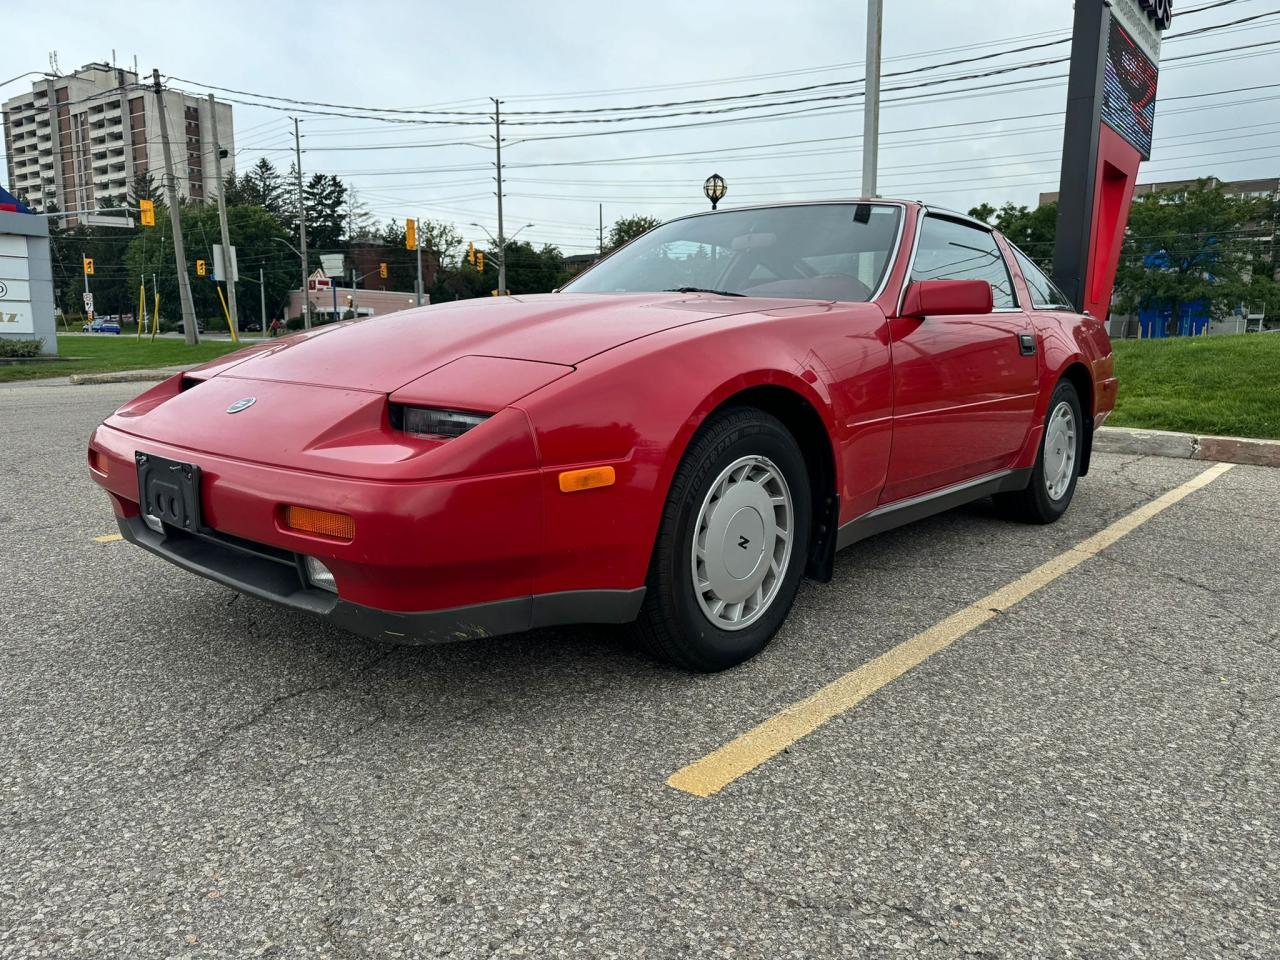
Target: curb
1187,446
124,376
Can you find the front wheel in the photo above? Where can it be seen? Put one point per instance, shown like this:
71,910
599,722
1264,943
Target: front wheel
731,545
1053,479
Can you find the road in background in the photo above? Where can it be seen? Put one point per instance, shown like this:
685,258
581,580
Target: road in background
1092,772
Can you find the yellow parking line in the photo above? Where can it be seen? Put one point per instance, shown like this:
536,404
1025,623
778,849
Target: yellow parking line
717,770
108,538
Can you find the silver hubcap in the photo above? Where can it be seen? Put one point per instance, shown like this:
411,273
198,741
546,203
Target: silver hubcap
1060,451
742,542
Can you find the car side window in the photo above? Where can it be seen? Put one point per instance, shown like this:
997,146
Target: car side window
950,250
1044,293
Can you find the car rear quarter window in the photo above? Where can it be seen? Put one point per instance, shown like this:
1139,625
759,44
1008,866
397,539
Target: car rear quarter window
1044,293
950,250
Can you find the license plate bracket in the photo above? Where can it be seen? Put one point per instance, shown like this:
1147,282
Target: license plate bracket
169,490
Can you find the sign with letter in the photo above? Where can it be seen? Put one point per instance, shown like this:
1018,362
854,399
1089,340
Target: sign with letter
1111,109
15,287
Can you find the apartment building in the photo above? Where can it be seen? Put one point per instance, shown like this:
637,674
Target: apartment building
79,139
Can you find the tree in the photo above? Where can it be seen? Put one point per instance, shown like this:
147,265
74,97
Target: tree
251,230
237,191
144,187
266,188
1197,244
440,243
358,219
114,290
325,200
530,270
1032,230
628,228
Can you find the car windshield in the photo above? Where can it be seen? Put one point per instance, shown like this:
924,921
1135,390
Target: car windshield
830,251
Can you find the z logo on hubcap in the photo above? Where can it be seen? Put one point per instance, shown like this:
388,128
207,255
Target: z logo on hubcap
742,542
243,404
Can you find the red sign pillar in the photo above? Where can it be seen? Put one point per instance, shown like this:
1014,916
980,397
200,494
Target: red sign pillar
1111,93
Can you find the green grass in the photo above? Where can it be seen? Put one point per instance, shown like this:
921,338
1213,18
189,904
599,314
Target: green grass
104,353
1227,385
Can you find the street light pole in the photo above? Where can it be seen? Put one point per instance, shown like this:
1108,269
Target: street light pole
306,301
871,100
502,249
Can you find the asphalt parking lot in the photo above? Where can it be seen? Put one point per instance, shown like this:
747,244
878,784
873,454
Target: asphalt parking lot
1094,771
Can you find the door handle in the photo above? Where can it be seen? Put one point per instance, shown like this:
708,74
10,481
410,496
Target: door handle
1027,344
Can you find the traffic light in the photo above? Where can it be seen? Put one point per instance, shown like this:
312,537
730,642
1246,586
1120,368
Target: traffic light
199,268
88,266
471,254
480,260
382,270
411,234
148,209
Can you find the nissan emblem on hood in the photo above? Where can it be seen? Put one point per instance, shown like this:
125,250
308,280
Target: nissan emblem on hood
243,404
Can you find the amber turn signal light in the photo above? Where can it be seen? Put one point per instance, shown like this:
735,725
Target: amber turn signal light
97,461
322,522
571,481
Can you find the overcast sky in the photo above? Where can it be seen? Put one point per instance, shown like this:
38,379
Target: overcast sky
954,149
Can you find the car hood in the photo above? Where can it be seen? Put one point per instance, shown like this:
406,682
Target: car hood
382,354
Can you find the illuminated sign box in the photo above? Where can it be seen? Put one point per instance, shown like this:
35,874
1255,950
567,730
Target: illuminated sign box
1129,90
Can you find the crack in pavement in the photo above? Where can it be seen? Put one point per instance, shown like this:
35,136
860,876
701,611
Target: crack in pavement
268,707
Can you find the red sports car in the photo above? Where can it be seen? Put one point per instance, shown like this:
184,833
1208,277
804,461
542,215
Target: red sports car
674,439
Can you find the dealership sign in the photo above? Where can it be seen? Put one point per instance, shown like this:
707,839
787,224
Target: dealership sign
15,286
1111,113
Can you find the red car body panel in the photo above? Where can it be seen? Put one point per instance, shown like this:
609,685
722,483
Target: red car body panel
908,406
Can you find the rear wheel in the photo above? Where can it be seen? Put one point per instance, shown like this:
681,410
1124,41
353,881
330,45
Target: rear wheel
731,545
1053,479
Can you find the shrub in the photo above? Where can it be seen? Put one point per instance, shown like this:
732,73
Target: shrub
295,323
21,348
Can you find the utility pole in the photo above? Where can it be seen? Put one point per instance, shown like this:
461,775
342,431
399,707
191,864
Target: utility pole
228,261
175,219
417,252
502,242
262,292
602,229
871,100
302,227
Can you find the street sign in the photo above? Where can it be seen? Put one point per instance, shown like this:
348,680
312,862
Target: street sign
331,264
219,269
88,301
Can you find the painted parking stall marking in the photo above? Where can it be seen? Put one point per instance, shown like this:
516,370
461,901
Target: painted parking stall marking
718,769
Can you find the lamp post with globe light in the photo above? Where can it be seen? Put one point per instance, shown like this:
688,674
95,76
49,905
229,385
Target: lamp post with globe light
715,189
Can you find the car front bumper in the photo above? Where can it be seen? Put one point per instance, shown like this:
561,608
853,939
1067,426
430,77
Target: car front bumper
431,562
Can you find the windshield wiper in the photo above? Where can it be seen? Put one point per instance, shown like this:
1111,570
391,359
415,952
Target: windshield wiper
718,293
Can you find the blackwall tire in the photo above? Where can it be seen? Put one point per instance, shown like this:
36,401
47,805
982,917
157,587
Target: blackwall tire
731,546
1057,467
